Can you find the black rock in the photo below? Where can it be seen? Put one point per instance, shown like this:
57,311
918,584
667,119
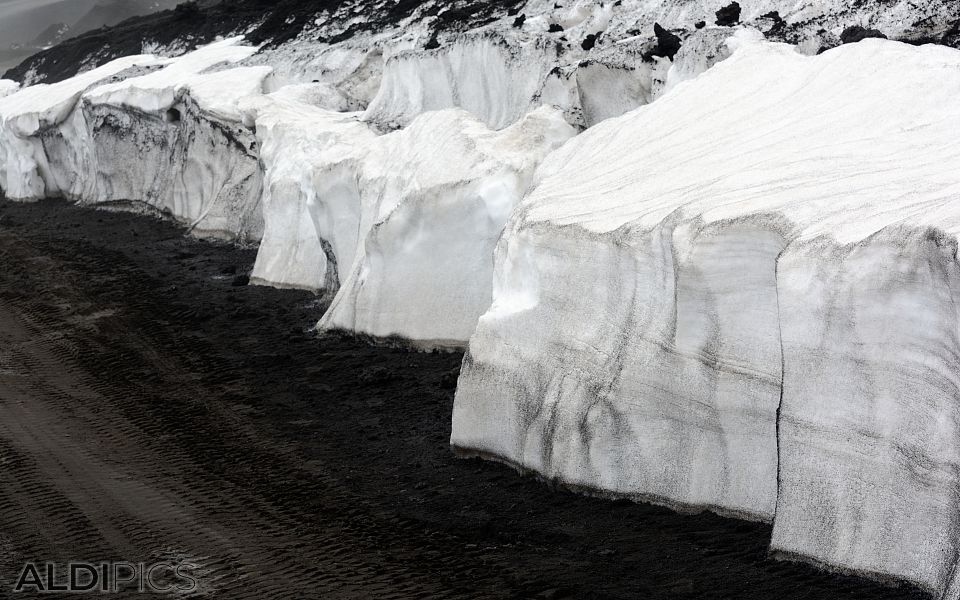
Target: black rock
555,28
856,33
668,44
773,15
700,24
729,15
589,42
518,22
240,281
432,44
777,25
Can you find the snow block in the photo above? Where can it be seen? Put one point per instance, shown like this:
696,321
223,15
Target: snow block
434,200
739,298
8,87
311,196
398,229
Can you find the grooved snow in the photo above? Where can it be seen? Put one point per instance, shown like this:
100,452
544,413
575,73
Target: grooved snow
780,227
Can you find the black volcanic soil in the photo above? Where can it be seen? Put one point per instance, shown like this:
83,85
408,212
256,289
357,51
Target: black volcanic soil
149,408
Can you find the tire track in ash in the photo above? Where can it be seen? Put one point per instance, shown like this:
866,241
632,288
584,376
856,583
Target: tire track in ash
120,509
137,508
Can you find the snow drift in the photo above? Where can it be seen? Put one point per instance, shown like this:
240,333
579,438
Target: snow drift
741,298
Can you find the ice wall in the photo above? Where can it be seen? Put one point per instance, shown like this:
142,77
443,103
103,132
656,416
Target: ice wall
495,78
174,141
499,76
751,310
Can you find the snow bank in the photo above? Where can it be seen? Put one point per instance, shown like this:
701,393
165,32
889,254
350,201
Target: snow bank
173,140
401,227
311,199
165,134
747,283
495,78
434,199
499,77
25,172
595,59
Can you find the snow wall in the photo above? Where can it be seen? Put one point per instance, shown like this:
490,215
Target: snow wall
742,298
143,132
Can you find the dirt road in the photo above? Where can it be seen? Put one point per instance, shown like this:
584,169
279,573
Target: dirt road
152,408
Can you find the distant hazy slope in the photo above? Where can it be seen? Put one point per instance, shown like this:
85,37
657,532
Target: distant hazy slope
111,12
23,20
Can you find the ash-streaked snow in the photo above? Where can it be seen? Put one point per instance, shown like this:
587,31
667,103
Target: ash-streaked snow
739,298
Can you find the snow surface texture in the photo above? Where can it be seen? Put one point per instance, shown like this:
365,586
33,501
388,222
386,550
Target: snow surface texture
751,311
401,227
164,134
8,87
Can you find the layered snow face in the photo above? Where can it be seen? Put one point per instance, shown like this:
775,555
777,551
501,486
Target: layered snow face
501,76
740,298
311,196
400,227
495,80
174,140
25,172
164,134
434,199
